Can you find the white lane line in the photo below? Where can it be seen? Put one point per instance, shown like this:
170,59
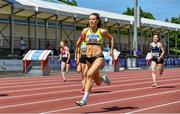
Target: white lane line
72,78
60,99
76,74
34,77
56,79
74,90
157,106
112,101
27,85
74,85
76,77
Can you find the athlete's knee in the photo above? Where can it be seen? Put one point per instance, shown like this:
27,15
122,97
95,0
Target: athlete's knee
89,75
62,69
89,79
78,70
153,71
67,70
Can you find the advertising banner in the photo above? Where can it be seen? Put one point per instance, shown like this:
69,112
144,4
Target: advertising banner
11,65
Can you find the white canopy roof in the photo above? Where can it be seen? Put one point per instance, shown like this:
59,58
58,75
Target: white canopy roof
61,9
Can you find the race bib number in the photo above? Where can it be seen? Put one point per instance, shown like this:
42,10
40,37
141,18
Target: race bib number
155,54
93,38
64,55
83,47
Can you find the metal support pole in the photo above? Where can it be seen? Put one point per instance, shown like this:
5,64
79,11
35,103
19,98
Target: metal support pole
141,40
146,43
46,27
176,40
119,38
135,42
29,34
56,32
74,33
39,42
160,33
12,29
35,31
60,25
131,39
151,35
168,43
165,43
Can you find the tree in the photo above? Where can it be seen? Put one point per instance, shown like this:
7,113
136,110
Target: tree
72,2
172,36
175,20
167,20
130,11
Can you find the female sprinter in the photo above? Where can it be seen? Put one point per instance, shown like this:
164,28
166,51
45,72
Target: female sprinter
65,58
157,51
94,37
81,62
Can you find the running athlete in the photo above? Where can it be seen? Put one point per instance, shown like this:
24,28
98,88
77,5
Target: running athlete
94,37
157,51
81,62
65,58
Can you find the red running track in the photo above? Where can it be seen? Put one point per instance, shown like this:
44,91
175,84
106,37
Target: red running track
130,92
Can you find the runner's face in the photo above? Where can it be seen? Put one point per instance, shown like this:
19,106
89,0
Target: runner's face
62,44
93,21
155,38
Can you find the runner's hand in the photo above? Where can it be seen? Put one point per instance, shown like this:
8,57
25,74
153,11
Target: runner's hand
112,55
77,61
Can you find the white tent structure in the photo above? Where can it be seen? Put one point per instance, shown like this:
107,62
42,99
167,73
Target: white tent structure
59,12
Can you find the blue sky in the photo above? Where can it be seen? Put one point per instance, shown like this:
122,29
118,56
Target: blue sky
161,9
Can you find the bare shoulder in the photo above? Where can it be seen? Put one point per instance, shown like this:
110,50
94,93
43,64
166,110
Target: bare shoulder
159,43
85,30
103,30
67,48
